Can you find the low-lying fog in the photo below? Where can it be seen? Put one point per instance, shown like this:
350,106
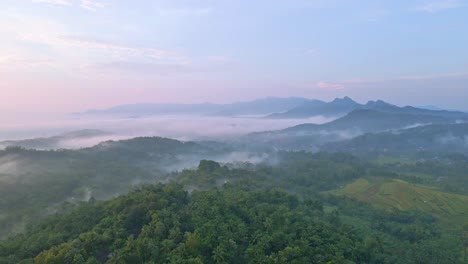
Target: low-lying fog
180,127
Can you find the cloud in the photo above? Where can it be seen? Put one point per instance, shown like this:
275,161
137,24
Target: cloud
330,86
63,50
13,61
112,49
90,5
54,2
183,127
147,68
121,50
9,164
439,6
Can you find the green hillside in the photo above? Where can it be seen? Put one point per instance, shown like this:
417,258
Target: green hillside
435,139
252,217
394,193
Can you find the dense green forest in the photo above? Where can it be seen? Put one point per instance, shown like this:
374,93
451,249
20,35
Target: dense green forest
286,209
36,183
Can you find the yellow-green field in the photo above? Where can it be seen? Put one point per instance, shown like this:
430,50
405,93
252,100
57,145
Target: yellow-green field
388,193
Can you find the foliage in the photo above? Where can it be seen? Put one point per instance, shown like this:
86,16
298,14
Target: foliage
239,216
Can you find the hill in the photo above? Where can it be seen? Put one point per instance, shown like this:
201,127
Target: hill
435,139
35,183
240,216
397,194
161,224
319,108
74,139
343,106
365,121
358,122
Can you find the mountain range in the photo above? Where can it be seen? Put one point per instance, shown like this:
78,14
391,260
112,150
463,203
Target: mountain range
353,120
367,120
271,108
357,122
263,106
435,138
342,106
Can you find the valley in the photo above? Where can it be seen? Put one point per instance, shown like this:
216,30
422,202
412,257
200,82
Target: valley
396,176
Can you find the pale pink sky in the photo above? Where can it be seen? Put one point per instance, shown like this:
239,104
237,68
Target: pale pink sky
60,56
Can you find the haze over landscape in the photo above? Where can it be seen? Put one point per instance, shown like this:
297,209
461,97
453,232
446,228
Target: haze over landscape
220,131
66,56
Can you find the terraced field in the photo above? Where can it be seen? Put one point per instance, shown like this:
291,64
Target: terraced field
392,193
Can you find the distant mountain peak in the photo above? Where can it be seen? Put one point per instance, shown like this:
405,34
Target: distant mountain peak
345,99
378,103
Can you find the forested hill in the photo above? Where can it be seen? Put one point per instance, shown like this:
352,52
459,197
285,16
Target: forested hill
162,224
245,214
430,141
36,183
356,123
70,140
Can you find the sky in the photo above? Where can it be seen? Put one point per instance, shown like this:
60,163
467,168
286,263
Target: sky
60,56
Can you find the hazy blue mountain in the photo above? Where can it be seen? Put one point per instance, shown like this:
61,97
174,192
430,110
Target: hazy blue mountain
358,122
263,106
386,107
256,107
366,120
72,139
441,138
155,109
430,107
437,108
343,106
270,107
315,108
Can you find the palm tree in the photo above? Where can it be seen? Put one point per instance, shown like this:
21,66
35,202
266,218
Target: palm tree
218,254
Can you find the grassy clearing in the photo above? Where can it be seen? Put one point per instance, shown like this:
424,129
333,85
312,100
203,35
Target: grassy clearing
392,193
